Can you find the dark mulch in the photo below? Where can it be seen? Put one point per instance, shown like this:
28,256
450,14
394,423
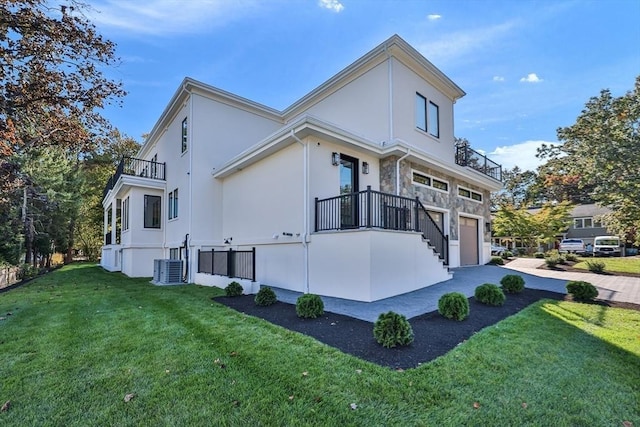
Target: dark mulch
434,334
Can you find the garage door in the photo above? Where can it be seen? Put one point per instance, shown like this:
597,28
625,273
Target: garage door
468,241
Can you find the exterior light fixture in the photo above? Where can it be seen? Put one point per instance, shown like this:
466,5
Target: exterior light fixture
365,168
335,158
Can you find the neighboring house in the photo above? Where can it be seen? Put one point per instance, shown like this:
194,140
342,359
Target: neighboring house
357,190
586,225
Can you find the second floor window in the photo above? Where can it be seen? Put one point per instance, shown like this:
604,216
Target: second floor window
184,135
173,204
427,116
152,210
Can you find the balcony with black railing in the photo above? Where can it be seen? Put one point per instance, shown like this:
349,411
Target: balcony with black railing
374,209
135,167
467,156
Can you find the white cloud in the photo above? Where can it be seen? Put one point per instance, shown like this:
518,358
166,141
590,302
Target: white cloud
498,78
522,155
333,5
452,46
531,78
166,17
433,17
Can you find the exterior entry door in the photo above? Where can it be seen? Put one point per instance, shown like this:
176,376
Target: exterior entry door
348,192
468,241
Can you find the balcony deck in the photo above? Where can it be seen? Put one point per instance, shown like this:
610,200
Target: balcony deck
135,167
467,156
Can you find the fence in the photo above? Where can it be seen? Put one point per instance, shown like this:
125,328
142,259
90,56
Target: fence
240,264
8,276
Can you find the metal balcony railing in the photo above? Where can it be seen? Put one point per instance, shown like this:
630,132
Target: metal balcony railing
135,167
467,156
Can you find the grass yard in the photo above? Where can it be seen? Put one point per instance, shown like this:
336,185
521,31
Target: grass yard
80,339
614,264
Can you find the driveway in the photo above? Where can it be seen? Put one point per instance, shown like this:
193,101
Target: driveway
466,279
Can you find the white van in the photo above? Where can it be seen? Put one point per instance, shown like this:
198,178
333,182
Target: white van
606,246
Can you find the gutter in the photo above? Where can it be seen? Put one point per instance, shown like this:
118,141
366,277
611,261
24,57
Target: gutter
305,208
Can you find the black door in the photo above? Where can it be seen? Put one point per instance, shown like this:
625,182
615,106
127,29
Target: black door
349,191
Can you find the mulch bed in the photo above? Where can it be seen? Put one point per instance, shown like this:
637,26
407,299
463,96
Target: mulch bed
434,334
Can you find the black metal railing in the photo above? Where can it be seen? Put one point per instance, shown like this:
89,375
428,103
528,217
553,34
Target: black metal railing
240,264
374,209
135,167
467,156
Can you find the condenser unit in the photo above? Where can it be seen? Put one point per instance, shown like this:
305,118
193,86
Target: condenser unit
167,271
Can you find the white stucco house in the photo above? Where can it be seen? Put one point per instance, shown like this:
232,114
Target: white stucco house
357,190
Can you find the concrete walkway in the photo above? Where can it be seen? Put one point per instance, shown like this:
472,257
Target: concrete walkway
466,279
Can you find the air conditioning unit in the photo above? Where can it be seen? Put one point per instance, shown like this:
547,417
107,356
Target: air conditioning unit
167,271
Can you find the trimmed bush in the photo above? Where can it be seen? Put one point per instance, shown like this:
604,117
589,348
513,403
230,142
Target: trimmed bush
234,289
580,290
596,266
552,261
512,283
506,254
539,255
490,294
265,297
392,329
309,306
496,260
562,259
454,305
571,257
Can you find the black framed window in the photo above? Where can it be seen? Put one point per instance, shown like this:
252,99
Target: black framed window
184,135
421,112
173,204
152,211
434,120
125,214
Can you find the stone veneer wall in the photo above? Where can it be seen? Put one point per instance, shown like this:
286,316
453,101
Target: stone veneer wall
429,197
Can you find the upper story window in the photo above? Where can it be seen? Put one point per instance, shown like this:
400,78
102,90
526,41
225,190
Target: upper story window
434,120
152,211
469,194
184,135
587,222
427,116
173,204
429,181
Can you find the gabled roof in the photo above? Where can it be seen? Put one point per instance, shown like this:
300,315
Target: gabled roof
394,46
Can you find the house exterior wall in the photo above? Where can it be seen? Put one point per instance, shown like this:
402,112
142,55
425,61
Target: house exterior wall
406,84
361,106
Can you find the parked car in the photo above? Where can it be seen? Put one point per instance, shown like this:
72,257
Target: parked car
606,246
572,246
498,250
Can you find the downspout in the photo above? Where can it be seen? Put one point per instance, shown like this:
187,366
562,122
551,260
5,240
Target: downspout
398,171
305,208
390,76
191,147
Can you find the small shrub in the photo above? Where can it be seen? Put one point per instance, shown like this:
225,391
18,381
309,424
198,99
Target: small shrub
496,260
580,290
571,257
512,283
562,259
309,306
521,251
392,329
453,305
265,297
490,294
506,255
596,266
552,261
539,255
27,271
234,289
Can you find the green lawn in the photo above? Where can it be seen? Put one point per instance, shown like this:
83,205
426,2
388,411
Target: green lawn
614,265
78,340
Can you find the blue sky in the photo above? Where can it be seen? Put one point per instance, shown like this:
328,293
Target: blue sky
528,67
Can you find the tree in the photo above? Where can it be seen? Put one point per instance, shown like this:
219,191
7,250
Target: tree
519,188
600,152
530,227
51,91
